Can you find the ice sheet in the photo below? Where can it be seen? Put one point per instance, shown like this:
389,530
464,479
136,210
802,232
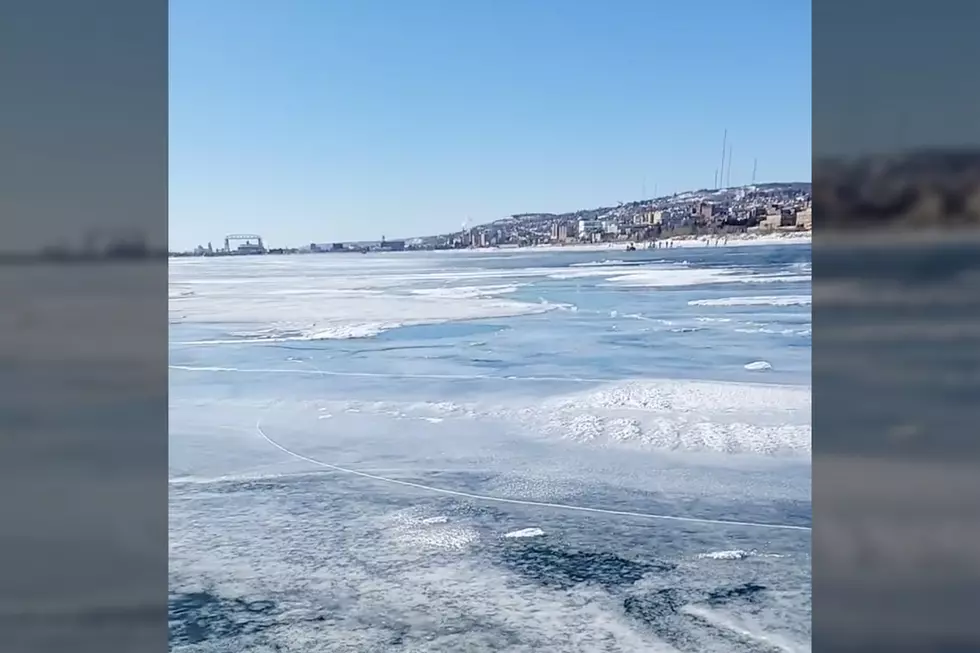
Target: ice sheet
539,478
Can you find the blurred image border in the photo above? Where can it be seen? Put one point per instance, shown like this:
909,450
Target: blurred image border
896,187
83,333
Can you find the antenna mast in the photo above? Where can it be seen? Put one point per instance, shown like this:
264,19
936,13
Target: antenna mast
724,150
728,174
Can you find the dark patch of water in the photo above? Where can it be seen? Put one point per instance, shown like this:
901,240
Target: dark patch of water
197,617
558,568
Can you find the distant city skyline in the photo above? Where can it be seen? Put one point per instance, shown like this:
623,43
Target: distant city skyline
469,227
309,122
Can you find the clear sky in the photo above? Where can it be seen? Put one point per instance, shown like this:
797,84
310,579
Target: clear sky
326,120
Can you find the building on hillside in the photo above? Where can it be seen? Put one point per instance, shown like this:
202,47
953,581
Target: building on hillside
586,228
781,219
706,210
804,218
562,231
649,218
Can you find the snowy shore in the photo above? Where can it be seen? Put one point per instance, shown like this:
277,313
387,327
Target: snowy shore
738,240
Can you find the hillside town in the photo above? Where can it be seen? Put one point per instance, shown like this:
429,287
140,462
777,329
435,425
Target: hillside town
758,208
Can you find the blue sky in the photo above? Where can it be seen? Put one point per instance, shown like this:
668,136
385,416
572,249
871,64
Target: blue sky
316,121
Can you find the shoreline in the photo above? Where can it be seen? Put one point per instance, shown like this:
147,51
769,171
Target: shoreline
686,242
796,238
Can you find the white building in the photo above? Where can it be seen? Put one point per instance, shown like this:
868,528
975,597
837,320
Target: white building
586,227
610,227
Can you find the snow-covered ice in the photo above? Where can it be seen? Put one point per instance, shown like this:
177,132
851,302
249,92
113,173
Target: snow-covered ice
512,441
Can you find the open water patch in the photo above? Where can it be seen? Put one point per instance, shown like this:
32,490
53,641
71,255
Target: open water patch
556,567
198,617
666,611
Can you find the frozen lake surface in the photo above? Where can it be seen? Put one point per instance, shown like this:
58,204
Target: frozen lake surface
506,451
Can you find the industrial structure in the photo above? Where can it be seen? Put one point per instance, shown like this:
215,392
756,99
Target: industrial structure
247,244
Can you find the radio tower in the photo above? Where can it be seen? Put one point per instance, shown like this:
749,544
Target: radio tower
724,150
728,173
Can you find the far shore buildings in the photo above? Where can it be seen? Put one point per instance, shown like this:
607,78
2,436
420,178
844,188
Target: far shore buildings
804,218
748,209
649,218
778,216
563,231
